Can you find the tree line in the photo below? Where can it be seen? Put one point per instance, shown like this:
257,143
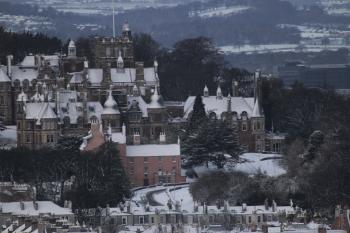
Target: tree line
97,178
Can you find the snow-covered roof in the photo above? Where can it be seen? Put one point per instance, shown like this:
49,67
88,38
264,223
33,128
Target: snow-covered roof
28,61
118,138
219,105
127,76
22,74
3,76
77,77
75,110
71,44
95,76
153,150
44,207
39,111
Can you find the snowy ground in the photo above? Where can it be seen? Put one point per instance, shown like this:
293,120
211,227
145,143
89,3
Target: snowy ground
253,164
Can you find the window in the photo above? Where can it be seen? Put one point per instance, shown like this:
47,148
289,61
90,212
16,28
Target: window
244,126
108,52
18,125
141,220
124,220
145,159
131,160
259,218
173,159
146,170
28,138
2,101
160,158
249,219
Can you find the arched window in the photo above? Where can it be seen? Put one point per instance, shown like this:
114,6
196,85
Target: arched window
25,84
244,115
212,116
80,122
93,119
34,82
66,122
234,116
17,84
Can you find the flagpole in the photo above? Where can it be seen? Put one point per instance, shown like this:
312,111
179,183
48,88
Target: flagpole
113,18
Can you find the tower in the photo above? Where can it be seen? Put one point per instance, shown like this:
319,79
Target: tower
206,91
72,50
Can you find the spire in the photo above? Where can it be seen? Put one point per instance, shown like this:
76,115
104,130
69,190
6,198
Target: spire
155,64
219,92
206,91
135,91
229,103
120,61
256,109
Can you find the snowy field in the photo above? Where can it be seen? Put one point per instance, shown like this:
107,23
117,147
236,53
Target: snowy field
277,48
219,11
98,7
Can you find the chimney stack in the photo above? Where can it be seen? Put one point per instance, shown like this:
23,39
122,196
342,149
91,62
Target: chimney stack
9,65
137,138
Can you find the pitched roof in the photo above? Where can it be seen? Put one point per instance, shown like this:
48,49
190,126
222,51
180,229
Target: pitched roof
4,77
219,105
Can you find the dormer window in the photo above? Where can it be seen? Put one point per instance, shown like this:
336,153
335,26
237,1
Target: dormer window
91,108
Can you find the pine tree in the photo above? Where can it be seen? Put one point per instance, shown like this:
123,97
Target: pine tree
198,114
214,142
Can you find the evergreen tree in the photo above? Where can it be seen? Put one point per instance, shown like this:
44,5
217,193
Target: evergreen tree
198,113
213,141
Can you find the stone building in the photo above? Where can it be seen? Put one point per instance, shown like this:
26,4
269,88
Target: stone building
243,113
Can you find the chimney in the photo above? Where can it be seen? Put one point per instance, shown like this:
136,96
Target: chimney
140,71
162,138
128,207
234,88
137,138
41,227
274,206
21,204
226,206
9,65
266,204
322,229
244,207
124,130
36,205
86,65
195,207
177,206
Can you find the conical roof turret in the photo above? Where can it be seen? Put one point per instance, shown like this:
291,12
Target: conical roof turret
110,106
156,100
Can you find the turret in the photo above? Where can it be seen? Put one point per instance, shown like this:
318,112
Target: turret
156,100
219,93
126,31
72,50
110,115
120,62
206,91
